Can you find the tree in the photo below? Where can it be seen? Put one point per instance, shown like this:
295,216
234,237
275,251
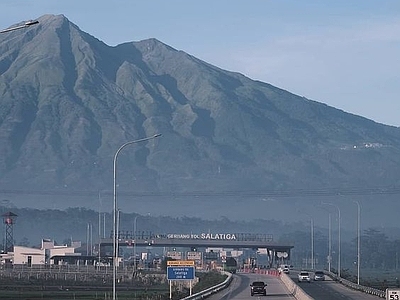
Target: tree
374,244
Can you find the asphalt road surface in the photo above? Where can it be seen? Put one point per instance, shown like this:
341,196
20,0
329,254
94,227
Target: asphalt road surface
331,290
276,290
239,289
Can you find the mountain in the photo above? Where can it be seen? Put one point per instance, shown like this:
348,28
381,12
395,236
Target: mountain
68,101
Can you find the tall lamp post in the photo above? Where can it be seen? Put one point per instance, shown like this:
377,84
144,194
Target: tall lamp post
329,242
115,242
339,247
312,244
311,238
134,242
26,24
358,240
312,241
329,239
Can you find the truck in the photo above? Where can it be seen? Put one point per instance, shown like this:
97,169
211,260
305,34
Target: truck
230,265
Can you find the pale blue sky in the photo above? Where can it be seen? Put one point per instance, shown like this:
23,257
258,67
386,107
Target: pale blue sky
344,53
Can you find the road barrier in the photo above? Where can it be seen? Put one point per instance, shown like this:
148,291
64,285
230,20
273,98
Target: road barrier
212,290
294,289
272,272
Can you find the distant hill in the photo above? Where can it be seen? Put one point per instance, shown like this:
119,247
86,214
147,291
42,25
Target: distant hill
68,102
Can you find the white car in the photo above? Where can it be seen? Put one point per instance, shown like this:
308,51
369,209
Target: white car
284,269
304,277
319,275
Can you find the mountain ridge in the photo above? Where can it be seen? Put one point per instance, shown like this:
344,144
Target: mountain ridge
68,101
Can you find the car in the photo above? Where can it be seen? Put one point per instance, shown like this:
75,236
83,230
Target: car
319,276
258,287
304,277
284,268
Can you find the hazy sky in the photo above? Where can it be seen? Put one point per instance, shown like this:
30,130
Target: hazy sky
345,53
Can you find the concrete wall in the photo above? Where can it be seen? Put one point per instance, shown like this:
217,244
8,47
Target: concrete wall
294,289
22,254
62,251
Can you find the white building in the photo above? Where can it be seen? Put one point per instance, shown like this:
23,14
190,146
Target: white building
34,256
28,256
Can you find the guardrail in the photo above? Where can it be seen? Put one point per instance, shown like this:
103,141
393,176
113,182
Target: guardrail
299,294
212,290
355,286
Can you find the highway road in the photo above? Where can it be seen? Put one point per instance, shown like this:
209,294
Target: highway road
331,290
276,290
240,288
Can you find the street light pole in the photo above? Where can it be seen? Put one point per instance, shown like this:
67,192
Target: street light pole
339,247
312,244
117,239
311,237
134,242
99,229
329,239
329,242
115,253
27,24
340,243
358,240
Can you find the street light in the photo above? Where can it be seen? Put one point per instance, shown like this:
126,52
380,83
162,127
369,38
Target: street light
358,240
26,24
339,220
329,242
312,238
99,226
329,239
312,244
134,242
115,252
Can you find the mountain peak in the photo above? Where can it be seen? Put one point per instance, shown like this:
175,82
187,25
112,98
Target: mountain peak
53,21
68,102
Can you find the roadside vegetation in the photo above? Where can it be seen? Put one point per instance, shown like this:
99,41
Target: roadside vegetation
147,286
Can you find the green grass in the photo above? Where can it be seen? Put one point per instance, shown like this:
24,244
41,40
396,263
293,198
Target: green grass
81,295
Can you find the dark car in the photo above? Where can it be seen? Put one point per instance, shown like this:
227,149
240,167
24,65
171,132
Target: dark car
258,287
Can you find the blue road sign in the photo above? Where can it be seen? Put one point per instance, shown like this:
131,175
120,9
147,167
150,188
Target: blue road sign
180,273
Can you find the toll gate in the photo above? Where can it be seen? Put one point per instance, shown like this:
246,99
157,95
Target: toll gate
274,250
